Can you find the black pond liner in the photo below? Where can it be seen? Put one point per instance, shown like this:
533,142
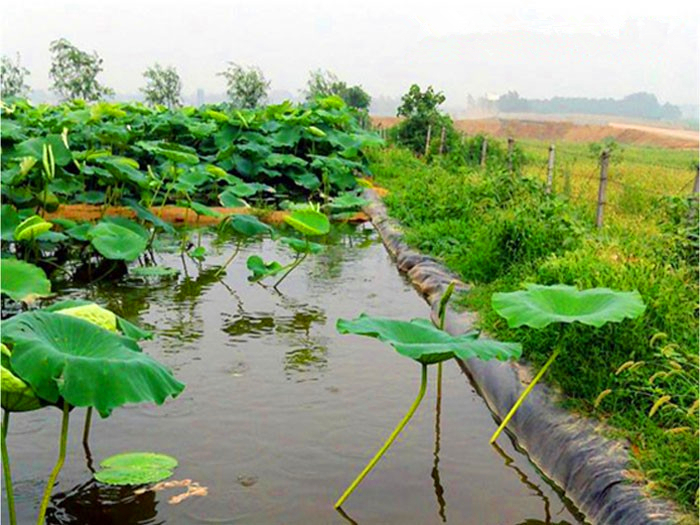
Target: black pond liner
588,467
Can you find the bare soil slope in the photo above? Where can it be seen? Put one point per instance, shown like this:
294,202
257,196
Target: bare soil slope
570,132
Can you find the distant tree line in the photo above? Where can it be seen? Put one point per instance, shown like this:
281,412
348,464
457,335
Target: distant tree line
74,76
641,105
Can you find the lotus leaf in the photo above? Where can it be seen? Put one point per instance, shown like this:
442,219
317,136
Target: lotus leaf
153,271
17,396
308,222
302,246
124,326
30,228
9,220
261,269
117,242
248,225
136,468
229,199
63,356
23,281
93,313
420,340
201,209
539,306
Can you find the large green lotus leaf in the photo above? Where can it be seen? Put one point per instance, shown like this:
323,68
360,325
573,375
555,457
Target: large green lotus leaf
116,242
93,313
124,326
261,269
302,246
134,226
229,199
539,306
308,222
10,219
63,356
17,396
30,228
248,225
420,340
173,152
201,209
23,281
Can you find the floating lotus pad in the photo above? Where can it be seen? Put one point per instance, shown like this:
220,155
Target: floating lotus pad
539,306
136,468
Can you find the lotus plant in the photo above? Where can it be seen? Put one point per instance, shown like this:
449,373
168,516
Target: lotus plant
68,361
539,306
421,341
310,223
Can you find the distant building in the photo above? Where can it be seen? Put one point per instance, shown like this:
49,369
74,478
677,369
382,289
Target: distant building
200,97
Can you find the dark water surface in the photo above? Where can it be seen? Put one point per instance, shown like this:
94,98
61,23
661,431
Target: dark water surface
281,413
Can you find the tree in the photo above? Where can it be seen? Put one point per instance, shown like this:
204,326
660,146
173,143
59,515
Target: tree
420,110
12,78
418,104
246,87
163,86
325,83
74,73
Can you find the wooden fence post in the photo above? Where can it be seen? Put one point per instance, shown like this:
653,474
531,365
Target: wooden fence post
484,145
692,217
550,169
511,142
427,140
604,158
442,139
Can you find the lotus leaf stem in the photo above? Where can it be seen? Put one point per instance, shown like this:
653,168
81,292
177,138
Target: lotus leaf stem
86,428
229,260
6,469
524,395
296,263
392,437
57,467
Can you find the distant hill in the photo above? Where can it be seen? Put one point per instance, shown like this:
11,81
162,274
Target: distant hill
637,105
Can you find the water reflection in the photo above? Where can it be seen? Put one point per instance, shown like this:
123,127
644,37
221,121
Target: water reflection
509,462
435,473
305,360
93,502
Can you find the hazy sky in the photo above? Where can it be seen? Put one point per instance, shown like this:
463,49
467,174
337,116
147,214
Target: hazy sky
541,49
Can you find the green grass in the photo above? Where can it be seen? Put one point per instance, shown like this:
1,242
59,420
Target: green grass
499,231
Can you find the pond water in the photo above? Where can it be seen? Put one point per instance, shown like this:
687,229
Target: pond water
280,412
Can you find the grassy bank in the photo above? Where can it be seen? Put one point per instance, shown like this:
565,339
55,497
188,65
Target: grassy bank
499,231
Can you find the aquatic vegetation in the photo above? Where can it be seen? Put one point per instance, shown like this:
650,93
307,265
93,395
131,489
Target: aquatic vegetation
68,362
23,281
309,222
427,344
539,306
135,468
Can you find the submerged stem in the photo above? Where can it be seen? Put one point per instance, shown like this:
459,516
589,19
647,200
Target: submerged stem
57,467
6,469
524,395
392,437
